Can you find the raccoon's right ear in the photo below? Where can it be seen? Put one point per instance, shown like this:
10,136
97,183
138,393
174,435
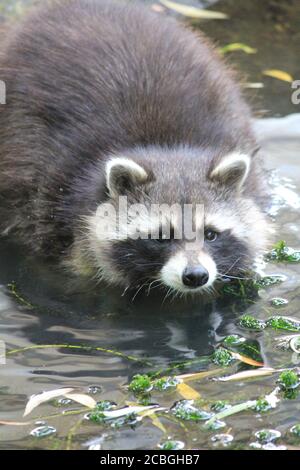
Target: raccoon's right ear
123,175
232,170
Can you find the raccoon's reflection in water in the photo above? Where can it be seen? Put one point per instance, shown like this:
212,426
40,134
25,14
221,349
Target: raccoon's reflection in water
148,326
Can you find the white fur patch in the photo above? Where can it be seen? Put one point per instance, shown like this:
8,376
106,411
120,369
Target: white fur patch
171,273
245,221
208,263
230,164
123,166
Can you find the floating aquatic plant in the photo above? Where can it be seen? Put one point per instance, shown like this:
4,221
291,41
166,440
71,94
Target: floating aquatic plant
295,430
251,323
165,383
171,445
282,253
140,384
185,409
288,380
279,302
269,281
267,435
222,357
234,340
262,405
223,439
242,289
283,323
219,406
43,431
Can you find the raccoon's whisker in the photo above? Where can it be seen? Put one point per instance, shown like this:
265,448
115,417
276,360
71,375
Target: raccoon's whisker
125,290
232,266
148,265
169,292
234,277
139,287
153,282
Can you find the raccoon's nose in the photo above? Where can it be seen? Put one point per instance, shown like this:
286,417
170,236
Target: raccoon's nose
195,277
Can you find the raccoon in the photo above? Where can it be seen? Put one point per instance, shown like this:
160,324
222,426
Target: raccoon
109,100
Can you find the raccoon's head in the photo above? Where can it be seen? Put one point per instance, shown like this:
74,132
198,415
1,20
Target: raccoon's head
183,219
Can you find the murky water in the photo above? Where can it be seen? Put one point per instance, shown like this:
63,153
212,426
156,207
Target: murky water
151,336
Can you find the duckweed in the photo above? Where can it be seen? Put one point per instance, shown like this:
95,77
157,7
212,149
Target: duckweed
165,383
234,340
171,445
282,253
219,406
269,281
288,380
251,323
295,430
222,357
262,405
140,384
282,323
185,409
279,302
43,431
267,435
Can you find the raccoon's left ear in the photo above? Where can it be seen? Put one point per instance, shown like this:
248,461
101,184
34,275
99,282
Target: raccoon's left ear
123,175
232,170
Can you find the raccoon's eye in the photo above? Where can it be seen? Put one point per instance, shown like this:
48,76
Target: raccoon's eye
210,235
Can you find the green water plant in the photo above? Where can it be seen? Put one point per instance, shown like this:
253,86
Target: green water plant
171,445
140,384
186,410
222,357
295,430
251,323
288,380
283,323
282,253
279,302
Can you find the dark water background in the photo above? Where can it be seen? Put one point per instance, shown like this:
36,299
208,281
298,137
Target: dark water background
174,332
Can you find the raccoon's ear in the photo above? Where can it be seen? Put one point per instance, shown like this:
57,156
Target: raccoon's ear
232,170
123,175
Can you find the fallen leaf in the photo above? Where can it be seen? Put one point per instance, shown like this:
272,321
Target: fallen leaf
36,400
279,74
237,46
254,85
194,12
114,414
247,360
15,423
157,423
247,374
230,411
187,392
83,399
198,375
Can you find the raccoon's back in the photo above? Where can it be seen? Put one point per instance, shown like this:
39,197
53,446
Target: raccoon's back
86,77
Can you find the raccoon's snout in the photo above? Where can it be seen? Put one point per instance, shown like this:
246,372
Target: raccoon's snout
195,277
